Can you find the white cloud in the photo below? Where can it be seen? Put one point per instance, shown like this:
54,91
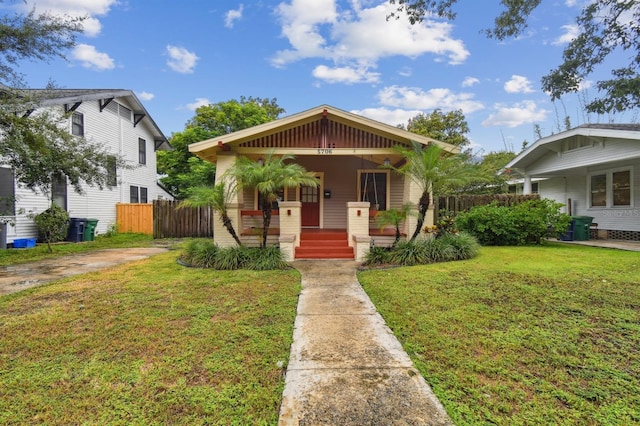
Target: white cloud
181,60
91,58
571,31
346,75
198,103
76,8
232,16
361,36
145,96
515,115
418,99
392,117
518,84
470,81
406,72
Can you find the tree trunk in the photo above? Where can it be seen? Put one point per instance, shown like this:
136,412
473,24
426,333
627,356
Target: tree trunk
424,206
266,222
226,221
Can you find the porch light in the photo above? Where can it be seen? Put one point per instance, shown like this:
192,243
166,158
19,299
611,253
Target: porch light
260,161
387,161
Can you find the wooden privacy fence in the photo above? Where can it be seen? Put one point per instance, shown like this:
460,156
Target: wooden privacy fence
460,203
135,218
163,219
190,222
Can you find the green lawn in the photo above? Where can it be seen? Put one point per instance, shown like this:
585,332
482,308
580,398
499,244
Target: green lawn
522,335
150,342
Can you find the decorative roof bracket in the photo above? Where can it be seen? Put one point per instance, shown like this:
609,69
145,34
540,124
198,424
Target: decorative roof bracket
68,109
104,102
137,117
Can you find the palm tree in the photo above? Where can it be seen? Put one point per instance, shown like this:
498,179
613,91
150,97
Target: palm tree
435,171
394,217
216,197
270,177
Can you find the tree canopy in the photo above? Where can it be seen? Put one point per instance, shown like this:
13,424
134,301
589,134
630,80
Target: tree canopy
183,170
37,146
450,127
605,27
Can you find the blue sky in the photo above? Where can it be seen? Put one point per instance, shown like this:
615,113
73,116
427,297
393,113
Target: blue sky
177,56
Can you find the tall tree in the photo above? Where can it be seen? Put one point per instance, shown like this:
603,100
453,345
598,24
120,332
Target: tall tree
435,172
273,175
450,127
183,170
37,146
489,166
605,27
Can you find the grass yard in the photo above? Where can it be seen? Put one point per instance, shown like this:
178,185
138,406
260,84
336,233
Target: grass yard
150,342
522,335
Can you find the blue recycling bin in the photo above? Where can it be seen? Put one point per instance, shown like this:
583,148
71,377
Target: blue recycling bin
75,234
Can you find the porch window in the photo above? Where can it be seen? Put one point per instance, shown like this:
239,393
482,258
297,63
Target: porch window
374,187
611,189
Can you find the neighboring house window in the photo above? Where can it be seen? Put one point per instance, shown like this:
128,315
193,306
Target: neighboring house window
59,191
138,194
133,194
112,172
610,189
519,188
77,124
142,151
373,186
621,188
7,192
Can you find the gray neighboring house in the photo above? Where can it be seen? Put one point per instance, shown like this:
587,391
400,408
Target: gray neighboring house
114,118
594,169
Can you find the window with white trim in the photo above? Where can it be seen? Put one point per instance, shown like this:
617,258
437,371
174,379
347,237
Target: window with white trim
138,194
611,189
77,124
142,151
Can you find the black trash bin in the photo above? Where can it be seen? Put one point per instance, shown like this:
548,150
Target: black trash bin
75,234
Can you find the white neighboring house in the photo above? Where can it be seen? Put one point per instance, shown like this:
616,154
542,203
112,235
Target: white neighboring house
593,169
115,119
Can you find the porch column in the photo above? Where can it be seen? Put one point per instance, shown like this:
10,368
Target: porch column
290,225
358,228
526,187
225,161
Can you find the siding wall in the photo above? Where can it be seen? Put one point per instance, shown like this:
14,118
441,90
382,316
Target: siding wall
118,136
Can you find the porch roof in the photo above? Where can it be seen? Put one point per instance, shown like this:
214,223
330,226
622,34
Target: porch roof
314,132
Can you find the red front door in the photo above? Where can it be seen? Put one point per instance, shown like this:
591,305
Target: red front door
310,199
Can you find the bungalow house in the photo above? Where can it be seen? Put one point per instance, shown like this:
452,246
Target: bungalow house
117,120
345,152
593,169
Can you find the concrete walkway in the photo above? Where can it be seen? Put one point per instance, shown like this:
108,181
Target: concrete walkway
346,367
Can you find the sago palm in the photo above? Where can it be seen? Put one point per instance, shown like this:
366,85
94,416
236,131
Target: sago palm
275,174
217,197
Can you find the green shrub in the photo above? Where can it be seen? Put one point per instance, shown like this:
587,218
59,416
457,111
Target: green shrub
204,253
424,251
525,223
52,224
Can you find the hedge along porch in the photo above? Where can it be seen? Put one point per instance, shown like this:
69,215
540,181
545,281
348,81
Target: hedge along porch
345,152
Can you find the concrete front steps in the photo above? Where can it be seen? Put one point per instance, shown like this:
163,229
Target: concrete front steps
321,244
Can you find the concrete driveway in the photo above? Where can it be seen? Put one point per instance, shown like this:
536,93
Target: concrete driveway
20,277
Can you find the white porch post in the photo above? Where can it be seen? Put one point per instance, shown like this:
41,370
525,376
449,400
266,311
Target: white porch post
526,187
225,161
290,226
358,228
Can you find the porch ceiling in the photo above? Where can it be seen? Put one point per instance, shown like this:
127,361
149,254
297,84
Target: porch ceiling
323,130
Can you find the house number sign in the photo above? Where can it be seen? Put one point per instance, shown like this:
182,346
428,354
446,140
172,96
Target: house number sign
325,151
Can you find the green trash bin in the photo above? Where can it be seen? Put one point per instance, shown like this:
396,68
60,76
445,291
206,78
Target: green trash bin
90,229
581,228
